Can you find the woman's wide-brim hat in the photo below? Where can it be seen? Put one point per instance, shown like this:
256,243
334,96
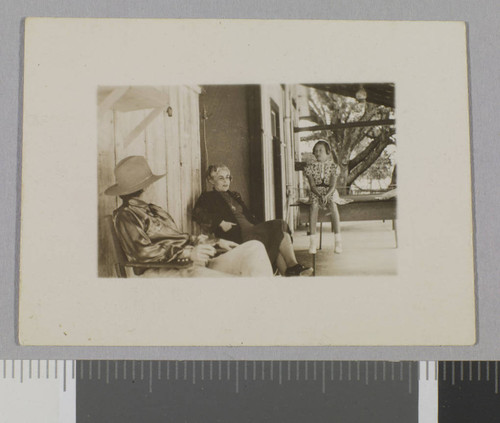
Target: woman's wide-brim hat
132,174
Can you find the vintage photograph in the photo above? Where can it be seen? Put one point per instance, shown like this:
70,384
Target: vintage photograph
247,180
245,183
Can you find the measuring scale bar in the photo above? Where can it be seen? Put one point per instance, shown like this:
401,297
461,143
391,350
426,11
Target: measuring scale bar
247,391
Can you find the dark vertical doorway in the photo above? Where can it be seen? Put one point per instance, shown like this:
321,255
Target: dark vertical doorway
254,119
275,129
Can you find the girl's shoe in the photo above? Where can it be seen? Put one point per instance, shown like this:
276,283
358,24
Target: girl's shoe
299,270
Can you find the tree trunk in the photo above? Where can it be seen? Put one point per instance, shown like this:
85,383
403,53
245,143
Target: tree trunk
342,185
363,154
369,159
394,179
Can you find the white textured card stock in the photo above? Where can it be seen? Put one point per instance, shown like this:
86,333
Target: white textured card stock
430,301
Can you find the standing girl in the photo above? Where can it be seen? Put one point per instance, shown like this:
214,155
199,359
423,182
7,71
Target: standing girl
322,176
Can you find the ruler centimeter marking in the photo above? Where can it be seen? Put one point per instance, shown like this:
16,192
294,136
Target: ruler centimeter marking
409,377
305,371
496,377
23,371
278,372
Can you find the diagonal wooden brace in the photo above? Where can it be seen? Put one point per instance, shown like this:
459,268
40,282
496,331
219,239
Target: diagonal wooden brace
141,127
112,98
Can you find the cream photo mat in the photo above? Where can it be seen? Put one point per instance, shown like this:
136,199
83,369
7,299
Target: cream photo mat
63,302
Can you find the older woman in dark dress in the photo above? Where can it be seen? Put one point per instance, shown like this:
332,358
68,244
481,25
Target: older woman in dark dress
223,213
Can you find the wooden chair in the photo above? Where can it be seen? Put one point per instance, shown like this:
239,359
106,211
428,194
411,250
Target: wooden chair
121,261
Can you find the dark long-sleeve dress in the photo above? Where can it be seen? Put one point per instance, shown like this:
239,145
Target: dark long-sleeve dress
213,207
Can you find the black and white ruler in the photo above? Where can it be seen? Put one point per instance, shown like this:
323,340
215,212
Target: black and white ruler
248,391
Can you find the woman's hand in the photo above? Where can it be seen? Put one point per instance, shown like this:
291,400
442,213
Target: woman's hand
201,254
226,226
201,239
324,200
226,245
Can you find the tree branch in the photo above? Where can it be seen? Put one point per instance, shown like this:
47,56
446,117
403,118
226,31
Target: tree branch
361,167
316,111
363,154
358,134
315,136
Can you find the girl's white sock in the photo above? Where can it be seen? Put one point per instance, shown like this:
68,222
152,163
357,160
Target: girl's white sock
338,243
312,244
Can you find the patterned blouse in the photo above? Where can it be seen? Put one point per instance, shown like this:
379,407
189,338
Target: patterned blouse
321,173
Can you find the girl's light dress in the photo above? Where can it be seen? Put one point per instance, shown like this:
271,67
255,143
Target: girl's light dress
321,173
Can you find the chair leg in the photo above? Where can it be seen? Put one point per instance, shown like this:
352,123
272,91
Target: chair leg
395,232
314,264
120,271
320,234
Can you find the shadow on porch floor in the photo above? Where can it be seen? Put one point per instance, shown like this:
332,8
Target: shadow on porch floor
369,250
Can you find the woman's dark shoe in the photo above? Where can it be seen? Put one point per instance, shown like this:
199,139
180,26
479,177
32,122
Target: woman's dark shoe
299,270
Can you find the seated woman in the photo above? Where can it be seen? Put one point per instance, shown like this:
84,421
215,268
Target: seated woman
223,213
147,233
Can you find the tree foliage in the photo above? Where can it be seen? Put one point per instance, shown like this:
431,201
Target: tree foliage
354,150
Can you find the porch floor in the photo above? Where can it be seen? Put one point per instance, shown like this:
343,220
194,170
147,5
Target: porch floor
369,250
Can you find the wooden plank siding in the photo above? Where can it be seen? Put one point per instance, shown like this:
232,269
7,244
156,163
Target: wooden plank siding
156,150
105,177
173,157
195,142
171,146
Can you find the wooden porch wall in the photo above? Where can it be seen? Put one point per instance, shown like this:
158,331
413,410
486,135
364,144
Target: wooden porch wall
105,177
171,145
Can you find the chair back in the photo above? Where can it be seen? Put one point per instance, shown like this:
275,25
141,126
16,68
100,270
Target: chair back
118,254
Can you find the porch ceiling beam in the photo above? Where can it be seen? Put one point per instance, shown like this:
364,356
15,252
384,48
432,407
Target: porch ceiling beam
134,133
310,118
383,122
112,98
